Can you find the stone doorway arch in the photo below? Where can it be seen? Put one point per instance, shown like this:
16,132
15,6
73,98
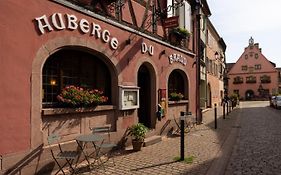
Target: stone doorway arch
146,80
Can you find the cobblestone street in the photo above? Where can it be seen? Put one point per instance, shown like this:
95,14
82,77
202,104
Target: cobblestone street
258,148
203,143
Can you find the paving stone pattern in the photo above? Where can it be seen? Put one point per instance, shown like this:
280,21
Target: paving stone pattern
257,151
203,143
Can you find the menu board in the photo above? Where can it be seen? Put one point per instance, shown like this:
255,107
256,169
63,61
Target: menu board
129,97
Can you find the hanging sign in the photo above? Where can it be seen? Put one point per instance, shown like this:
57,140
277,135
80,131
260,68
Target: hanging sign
171,22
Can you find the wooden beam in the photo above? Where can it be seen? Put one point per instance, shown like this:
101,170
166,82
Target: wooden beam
162,20
134,20
145,14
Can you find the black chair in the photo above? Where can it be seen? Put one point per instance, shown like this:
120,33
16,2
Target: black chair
59,154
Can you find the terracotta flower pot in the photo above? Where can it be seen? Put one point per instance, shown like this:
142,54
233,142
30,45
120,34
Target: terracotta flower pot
137,144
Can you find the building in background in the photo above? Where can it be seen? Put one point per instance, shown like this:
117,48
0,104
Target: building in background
212,61
253,76
215,66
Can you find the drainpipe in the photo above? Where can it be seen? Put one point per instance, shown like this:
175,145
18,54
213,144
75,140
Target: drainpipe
198,57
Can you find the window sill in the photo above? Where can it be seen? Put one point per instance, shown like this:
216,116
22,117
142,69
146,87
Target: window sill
55,111
178,102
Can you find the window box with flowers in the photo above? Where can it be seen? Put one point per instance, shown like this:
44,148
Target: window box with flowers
178,36
74,96
176,96
74,99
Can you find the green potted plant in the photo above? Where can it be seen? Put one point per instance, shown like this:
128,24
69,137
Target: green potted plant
177,35
181,32
138,132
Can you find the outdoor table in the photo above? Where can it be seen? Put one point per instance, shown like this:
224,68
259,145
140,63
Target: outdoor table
82,141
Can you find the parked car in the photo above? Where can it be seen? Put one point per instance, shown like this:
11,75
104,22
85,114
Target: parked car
277,102
271,101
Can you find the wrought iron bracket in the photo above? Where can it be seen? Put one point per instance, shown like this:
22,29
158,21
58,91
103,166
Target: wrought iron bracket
162,13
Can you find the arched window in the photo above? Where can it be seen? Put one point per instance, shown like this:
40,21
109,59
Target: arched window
72,67
177,83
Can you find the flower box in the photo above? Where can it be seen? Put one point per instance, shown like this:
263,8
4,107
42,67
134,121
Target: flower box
175,96
74,96
178,36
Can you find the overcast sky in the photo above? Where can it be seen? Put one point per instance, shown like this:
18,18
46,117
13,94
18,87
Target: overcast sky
236,21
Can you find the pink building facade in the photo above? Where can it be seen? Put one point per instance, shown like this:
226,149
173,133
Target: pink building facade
47,45
253,76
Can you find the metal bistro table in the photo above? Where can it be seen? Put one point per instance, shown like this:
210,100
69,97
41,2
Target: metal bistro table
82,141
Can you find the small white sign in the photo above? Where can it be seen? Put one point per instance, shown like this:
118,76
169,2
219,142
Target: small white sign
129,97
177,58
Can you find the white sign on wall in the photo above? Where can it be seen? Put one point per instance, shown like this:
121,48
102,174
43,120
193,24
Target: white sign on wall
129,97
59,22
177,58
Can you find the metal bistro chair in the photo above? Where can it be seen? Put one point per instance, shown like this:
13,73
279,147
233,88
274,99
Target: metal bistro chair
105,147
68,156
